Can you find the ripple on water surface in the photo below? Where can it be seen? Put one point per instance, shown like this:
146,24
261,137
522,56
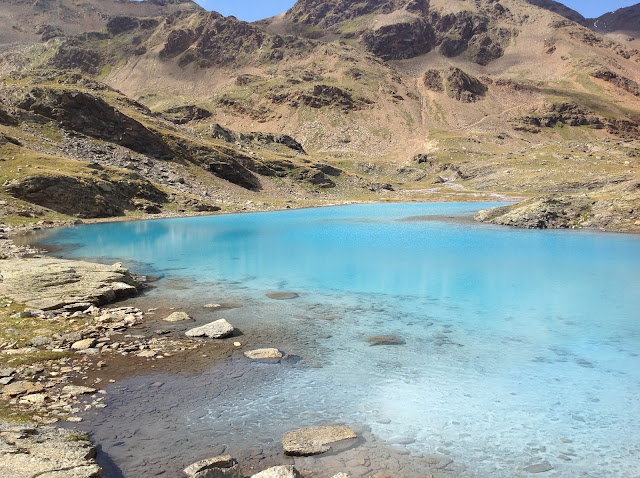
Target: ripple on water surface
514,347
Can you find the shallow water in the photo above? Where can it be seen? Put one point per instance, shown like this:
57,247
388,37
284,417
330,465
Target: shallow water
521,346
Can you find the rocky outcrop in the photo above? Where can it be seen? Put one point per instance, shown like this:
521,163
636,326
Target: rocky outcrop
463,87
87,197
315,441
263,139
28,450
559,212
49,284
618,212
331,96
433,80
186,114
73,56
230,170
400,41
92,116
220,329
620,81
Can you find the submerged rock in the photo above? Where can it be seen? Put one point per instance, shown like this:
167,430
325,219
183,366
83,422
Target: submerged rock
217,467
220,329
386,340
283,295
264,354
315,441
539,467
178,317
288,471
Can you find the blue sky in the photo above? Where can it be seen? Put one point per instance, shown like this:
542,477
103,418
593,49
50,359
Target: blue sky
251,10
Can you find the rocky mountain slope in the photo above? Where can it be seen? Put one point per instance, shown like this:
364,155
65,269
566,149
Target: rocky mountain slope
329,101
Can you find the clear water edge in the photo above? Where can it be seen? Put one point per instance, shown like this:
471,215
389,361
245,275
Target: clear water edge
519,347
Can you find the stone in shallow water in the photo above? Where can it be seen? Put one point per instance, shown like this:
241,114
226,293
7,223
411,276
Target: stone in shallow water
219,329
314,441
217,467
539,468
283,295
264,354
386,340
288,471
178,317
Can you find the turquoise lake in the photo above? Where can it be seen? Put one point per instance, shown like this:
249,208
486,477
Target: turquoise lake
521,346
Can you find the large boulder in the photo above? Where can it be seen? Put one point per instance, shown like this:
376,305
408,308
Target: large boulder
315,441
220,329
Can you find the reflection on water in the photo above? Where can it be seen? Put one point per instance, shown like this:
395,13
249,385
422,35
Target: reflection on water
520,346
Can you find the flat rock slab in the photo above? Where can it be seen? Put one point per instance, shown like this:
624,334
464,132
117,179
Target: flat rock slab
315,441
39,451
77,390
49,284
217,467
283,295
264,354
222,306
220,329
288,471
22,388
178,317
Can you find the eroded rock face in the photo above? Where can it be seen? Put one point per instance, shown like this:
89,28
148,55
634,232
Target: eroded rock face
315,441
400,41
29,450
48,284
186,114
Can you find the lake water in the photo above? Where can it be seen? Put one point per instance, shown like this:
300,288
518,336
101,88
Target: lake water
520,346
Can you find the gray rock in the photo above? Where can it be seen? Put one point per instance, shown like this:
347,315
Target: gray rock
264,354
40,451
539,467
7,372
219,329
40,341
314,441
76,390
83,344
217,467
6,380
178,317
288,471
